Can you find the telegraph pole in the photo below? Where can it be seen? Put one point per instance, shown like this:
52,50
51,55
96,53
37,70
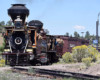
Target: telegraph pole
97,24
97,32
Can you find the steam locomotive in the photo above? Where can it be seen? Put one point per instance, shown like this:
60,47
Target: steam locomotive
23,46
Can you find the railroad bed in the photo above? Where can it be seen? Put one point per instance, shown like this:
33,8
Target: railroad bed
54,73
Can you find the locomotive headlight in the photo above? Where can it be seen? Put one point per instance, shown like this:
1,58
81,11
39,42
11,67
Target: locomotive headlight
29,50
6,50
18,24
18,40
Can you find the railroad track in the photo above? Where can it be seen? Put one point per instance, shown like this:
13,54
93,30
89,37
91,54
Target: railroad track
61,74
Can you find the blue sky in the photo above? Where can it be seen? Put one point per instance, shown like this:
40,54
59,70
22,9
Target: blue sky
59,16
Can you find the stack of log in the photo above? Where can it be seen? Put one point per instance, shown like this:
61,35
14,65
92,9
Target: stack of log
60,41
39,36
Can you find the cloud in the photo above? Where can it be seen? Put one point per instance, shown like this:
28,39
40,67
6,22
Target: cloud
79,27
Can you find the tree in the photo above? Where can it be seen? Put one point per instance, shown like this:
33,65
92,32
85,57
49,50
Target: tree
78,36
46,31
71,36
75,34
87,35
2,23
9,23
94,37
67,34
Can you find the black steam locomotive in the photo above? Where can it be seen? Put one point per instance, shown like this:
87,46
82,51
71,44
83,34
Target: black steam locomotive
23,46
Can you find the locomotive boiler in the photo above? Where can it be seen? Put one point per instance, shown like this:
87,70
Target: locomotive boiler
23,45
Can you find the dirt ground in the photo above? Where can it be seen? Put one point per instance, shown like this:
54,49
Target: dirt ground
1,39
93,70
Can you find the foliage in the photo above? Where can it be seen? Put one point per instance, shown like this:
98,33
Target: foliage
93,53
9,23
87,61
75,34
46,31
70,79
30,70
87,35
2,47
78,35
67,34
67,57
84,51
80,52
71,36
2,25
2,62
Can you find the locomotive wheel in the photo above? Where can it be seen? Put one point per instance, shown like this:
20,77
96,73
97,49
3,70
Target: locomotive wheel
33,62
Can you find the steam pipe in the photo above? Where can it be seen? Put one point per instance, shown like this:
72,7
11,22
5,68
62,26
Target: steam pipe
10,47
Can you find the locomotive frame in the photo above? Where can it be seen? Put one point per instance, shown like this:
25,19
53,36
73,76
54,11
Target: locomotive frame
20,58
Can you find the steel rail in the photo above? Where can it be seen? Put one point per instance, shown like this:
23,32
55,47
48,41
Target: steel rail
63,73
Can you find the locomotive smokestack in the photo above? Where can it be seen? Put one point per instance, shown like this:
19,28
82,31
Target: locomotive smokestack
18,10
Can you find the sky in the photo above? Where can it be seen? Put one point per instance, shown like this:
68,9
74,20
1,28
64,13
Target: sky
59,16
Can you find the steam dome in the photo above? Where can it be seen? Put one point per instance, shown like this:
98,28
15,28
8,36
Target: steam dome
37,24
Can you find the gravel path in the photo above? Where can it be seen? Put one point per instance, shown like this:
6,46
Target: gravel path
4,68
17,76
93,70
6,75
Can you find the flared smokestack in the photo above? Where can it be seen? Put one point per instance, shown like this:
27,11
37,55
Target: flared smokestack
18,10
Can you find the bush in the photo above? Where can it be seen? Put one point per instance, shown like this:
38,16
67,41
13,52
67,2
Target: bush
84,51
80,52
1,48
87,61
67,57
2,62
93,53
31,70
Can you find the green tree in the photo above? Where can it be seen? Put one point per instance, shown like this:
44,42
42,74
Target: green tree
94,37
87,35
71,35
78,36
67,34
2,23
9,23
75,34
46,31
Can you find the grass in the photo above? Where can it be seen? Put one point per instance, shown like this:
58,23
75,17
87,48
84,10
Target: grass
31,70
